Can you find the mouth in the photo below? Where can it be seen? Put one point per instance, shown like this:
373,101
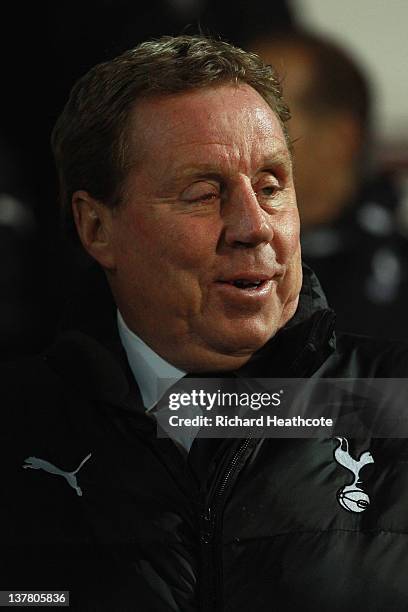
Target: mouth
245,284
250,281
247,288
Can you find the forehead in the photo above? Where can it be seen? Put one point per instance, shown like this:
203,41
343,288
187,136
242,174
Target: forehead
233,119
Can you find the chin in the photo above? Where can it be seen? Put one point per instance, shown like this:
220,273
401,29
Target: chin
244,338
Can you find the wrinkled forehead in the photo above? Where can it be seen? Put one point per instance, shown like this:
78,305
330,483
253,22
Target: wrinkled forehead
228,115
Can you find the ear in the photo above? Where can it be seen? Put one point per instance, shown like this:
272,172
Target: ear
93,221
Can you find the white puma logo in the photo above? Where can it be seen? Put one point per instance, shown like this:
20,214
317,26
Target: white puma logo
352,497
70,477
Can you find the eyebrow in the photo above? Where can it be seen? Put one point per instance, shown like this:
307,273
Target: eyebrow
208,170
197,169
280,159
192,173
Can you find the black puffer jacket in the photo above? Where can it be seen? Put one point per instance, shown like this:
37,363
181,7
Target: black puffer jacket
255,526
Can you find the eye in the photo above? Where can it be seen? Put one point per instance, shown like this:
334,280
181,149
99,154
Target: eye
269,191
206,197
267,187
201,192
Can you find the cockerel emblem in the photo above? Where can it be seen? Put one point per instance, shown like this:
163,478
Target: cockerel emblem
351,497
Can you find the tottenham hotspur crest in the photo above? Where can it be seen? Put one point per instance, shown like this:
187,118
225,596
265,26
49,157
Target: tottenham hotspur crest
351,497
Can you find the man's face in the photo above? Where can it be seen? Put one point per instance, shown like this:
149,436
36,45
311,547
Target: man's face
206,244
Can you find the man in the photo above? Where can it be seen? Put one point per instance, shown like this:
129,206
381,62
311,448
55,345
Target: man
175,170
347,205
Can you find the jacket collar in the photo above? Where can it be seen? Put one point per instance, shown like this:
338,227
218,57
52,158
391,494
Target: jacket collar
304,343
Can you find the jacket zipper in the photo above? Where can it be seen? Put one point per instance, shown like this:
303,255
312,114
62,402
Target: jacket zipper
211,523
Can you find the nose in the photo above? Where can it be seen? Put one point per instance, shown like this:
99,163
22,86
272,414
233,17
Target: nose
246,223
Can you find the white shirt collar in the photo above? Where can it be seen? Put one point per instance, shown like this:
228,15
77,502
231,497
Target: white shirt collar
153,374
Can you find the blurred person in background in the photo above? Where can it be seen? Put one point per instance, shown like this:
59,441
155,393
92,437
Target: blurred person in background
348,211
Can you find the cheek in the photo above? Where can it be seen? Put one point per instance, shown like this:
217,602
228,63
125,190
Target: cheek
189,242
287,238
133,235
172,243
289,254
